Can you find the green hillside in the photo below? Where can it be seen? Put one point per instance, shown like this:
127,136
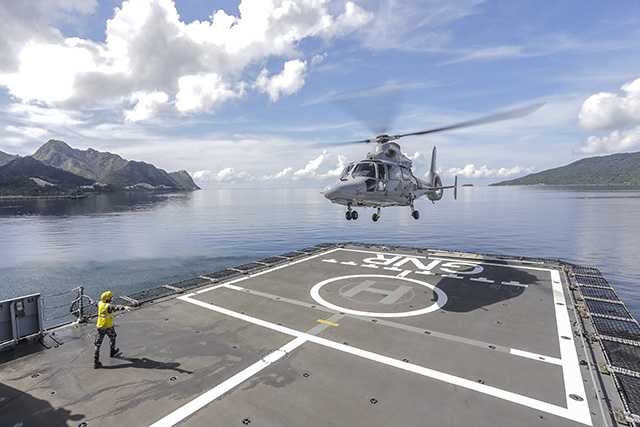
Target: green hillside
615,169
28,176
110,168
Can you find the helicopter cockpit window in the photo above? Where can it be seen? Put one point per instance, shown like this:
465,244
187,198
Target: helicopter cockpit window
345,172
365,169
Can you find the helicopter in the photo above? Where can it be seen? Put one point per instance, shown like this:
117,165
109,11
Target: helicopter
385,177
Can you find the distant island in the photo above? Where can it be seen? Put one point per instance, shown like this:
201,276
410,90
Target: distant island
614,169
57,170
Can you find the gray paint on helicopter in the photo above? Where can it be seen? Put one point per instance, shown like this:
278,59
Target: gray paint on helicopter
385,177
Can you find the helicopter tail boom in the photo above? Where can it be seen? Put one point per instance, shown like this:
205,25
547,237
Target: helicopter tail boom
453,187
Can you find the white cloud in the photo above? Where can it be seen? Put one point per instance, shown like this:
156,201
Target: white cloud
31,21
471,171
312,166
204,92
313,170
149,49
27,131
284,173
202,175
45,116
352,18
617,112
319,58
543,45
387,88
335,172
489,53
226,175
47,71
414,25
616,141
288,82
147,104
606,110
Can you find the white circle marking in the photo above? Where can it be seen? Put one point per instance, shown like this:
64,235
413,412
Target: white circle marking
441,301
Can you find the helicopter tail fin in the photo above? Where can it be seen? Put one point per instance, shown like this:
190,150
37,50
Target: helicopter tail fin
432,170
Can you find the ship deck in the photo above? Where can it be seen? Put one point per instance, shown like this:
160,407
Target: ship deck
348,336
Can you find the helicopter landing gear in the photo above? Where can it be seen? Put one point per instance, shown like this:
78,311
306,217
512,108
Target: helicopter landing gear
351,215
376,216
414,213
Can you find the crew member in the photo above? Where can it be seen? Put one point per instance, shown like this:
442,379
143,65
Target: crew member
105,326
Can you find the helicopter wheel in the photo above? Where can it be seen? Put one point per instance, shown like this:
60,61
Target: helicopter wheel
415,215
354,215
375,217
348,215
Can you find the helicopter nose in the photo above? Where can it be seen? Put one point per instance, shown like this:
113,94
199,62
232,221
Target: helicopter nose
344,192
332,193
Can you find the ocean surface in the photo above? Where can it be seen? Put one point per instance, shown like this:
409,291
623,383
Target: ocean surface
128,242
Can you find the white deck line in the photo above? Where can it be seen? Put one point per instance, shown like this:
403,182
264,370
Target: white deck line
204,399
536,356
579,411
487,263
571,374
382,253
572,413
482,280
260,273
513,351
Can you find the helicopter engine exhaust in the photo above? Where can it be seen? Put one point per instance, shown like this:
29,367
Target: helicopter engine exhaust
434,180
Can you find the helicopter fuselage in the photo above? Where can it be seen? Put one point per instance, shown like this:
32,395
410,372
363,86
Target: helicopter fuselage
384,179
377,183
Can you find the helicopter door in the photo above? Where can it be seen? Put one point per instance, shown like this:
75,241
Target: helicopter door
394,184
408,180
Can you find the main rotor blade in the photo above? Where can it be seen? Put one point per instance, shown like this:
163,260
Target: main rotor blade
375,107
505,115
361,141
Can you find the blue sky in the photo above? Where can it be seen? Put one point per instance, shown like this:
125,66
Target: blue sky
251,95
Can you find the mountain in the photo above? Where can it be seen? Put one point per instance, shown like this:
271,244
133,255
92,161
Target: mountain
89,163
28,176
6,158
134,173
615,169
184,180
108,168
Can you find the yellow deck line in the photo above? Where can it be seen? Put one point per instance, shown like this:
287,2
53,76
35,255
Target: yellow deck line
327,322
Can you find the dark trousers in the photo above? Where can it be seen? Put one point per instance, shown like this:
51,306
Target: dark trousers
101,332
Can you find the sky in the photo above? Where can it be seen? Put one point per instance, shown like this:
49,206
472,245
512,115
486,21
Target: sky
255,91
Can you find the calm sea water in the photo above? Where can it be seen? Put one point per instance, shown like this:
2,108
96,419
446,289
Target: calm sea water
129,242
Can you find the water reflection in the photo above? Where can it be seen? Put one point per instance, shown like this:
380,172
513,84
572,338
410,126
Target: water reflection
94,204
131,241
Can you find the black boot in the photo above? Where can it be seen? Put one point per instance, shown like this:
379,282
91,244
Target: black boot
96,359
114,352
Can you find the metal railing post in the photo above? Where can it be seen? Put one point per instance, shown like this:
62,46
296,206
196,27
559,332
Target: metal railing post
81,316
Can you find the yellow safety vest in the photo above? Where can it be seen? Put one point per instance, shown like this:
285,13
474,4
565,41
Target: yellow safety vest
105,319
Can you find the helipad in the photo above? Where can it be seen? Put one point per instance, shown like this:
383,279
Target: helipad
347,336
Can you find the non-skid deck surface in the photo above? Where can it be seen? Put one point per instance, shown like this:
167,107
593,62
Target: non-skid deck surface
347,337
